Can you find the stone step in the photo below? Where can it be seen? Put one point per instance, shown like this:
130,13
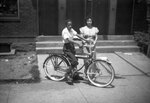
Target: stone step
99,49
100,37
112,49
114,43
17,39
99,43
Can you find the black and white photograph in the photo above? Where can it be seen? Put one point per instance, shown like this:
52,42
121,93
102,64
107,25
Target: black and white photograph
74,51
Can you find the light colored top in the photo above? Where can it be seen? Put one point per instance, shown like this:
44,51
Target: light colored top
68,34
85,31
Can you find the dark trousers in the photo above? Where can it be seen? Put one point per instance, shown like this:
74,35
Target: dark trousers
69,50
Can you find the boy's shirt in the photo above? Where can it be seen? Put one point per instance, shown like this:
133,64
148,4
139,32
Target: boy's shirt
68,34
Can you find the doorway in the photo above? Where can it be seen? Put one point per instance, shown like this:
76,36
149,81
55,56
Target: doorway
124,15
48,17
53,13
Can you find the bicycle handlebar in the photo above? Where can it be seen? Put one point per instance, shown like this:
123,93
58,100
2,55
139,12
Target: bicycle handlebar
88,43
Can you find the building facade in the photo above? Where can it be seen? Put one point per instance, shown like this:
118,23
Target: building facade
31,18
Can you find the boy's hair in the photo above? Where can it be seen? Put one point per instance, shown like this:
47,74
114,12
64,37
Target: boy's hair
68,20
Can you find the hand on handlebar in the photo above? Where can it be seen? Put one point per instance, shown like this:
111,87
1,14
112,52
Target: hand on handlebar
80,44
85,40
89,41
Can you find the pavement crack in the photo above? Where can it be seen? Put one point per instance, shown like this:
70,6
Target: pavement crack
137,68
8,94
82,94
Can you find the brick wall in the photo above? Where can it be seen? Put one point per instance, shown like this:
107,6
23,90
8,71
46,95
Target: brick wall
26,26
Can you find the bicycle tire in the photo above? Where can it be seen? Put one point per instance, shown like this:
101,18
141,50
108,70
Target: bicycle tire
54,71
100,73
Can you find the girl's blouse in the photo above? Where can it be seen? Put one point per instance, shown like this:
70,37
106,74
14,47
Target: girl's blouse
85,31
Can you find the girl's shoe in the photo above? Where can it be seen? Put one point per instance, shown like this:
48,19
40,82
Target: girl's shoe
85,77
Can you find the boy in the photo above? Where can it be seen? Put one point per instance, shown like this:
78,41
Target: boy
68,33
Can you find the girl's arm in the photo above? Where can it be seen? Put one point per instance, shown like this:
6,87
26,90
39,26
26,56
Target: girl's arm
96,37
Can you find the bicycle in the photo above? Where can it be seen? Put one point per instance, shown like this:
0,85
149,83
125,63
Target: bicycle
56,66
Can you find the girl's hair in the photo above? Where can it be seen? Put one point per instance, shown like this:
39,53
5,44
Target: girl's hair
68,20
89,17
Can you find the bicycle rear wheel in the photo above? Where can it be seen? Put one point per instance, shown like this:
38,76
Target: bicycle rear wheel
100,73
55,67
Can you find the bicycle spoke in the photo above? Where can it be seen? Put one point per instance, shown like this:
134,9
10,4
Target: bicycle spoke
100,73
54,60
47,66
55,67
60,62
63,68
105,67
95,74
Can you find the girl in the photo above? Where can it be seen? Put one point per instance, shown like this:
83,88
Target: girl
89,32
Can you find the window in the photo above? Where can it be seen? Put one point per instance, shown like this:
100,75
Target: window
9,10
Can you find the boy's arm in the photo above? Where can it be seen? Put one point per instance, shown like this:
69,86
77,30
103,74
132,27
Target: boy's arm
75,42
81,37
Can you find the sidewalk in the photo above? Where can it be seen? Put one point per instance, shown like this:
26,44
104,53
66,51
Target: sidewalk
133,89
132,85
129,64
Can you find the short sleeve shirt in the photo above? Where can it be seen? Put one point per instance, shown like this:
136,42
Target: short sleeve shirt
89,31
68,34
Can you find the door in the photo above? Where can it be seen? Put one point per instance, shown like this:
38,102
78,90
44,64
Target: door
100,13
124,17
78,10
75,11
53,13
48,17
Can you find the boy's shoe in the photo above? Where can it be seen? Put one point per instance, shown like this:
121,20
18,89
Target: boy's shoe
69,80
77,77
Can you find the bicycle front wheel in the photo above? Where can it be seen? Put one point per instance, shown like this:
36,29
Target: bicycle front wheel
55,67
100,73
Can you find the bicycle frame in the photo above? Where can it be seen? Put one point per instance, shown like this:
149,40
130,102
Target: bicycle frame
83,57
